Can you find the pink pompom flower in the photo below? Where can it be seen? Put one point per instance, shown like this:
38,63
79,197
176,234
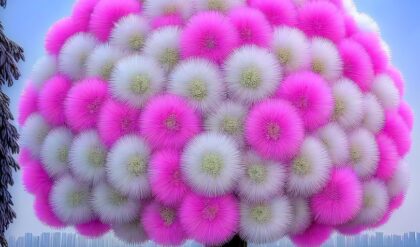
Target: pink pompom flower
59,33
211,221
166,177
388,157
169,122
28,103
93,229
44,211
209,35
315,235
52,97
311,96
82,12
84,102
407,114
274,129
277,12
340,200
372,45
398,131
321,18
35,178
162,224
251,26
116,120
356,64
109,12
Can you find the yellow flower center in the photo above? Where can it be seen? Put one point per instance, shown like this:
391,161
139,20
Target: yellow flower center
217,5
169,57
212,164
318,66
339,108
140,84
76,198
136,42
261,214
231,125
198,89
96,157
301,166
63,154
137,166
355,155
251,78
284,55
117,198
107,70
168,215
257,173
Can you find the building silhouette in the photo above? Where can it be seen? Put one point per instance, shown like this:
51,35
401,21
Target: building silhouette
57,239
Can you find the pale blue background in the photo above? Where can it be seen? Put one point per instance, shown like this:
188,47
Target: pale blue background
26,21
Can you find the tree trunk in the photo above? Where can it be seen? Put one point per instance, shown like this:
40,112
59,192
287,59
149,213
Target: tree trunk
236,242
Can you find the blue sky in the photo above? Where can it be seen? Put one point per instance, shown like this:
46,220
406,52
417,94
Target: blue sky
27,21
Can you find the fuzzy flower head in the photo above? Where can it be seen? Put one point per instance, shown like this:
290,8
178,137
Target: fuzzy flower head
265,222
207,120
127,166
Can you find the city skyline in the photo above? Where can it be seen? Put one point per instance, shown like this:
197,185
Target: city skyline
62,239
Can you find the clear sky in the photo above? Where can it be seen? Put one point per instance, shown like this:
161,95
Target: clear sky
27,21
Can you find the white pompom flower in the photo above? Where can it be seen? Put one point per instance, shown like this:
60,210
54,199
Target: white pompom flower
301,216
131,232
374,114
136,79
55,151
211,164
366,23
199,81
291,48
364,153
218,5
43,69
71,201
265,222
73,55
127,166
88,157
102,60
325,59
386,92
262,179
156,8
399,182
336,141
348,99
375,203
164,46
228,119
130,32
310,169
252,74
34,132
112,206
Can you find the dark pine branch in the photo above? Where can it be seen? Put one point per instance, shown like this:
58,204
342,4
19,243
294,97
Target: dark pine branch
10,55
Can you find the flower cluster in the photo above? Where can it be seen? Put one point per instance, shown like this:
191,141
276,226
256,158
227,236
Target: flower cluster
169,120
